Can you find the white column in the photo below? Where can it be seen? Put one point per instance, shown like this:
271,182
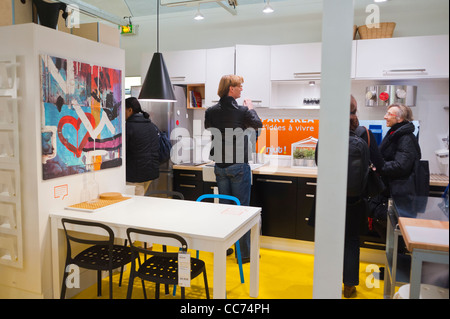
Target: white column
337,30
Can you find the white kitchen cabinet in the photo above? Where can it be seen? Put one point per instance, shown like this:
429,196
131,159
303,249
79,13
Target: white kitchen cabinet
300,61
219,62
253,64
186,66
295,61
403,58
293,66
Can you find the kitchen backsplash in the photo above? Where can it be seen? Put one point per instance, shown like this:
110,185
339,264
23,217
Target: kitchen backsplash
431,114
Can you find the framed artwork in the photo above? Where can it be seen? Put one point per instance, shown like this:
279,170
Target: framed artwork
81,117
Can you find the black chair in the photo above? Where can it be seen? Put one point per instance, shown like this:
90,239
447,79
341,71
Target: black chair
162,267
101,255
163,194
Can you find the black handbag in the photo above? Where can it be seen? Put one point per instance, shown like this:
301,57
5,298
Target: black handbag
375,185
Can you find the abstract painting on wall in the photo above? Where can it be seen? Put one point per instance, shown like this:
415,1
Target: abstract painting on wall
81,117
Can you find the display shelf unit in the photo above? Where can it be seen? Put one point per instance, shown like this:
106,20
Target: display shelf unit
298,94
11,252
195,96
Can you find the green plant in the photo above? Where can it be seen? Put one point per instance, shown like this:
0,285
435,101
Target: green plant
299,153
310,153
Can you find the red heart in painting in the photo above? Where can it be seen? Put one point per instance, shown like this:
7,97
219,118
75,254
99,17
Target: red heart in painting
76,150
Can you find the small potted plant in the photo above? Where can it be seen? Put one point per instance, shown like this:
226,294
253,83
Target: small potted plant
310,157
299,157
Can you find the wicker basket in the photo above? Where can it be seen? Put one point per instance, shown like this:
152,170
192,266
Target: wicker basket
385,30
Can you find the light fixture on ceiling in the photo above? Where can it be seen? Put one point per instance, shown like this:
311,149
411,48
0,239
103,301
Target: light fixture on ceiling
157,86
312,83
267,7
199,16
231,7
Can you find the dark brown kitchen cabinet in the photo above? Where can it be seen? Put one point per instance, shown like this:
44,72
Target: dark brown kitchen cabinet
208,188
277,196
306,192
286,203
189,183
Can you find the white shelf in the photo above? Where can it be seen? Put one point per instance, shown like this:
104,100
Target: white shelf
11,250
291,94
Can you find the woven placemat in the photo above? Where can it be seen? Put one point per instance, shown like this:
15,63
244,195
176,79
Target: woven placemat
100,203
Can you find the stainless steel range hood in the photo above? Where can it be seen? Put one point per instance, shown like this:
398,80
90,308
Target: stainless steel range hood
384,95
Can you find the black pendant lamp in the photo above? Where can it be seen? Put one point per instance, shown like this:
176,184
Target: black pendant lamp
157,86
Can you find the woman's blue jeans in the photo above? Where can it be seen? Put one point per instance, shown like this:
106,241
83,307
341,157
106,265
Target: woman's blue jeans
236,180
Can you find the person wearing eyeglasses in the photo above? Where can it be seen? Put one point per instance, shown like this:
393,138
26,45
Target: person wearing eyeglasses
399,150
234,130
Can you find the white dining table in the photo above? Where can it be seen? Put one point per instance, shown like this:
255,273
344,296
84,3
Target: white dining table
210,227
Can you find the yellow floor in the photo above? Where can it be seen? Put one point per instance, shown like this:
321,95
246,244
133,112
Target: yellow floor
283,275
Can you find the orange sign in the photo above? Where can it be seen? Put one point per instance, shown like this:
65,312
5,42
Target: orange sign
278,135
60,191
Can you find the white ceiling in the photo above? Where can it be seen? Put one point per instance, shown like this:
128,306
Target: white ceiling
142,8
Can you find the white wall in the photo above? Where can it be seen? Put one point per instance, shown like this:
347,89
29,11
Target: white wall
432,96
27,42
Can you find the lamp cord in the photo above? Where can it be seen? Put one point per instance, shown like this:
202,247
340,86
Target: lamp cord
157,26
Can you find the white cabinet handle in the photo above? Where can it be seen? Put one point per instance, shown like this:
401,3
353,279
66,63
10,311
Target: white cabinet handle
412,71
311,183
306,75
310,195
177,78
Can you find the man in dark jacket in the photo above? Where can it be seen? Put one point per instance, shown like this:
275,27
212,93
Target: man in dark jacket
234,131
142,147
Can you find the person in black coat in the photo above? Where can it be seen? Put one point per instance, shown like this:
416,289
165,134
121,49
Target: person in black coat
142,147
234,132
356,208
399,150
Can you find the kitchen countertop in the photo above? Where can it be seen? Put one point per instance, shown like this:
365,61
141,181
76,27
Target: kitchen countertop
435,180
266,170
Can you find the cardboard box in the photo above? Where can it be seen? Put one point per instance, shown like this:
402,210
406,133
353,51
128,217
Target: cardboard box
15,12
98,32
